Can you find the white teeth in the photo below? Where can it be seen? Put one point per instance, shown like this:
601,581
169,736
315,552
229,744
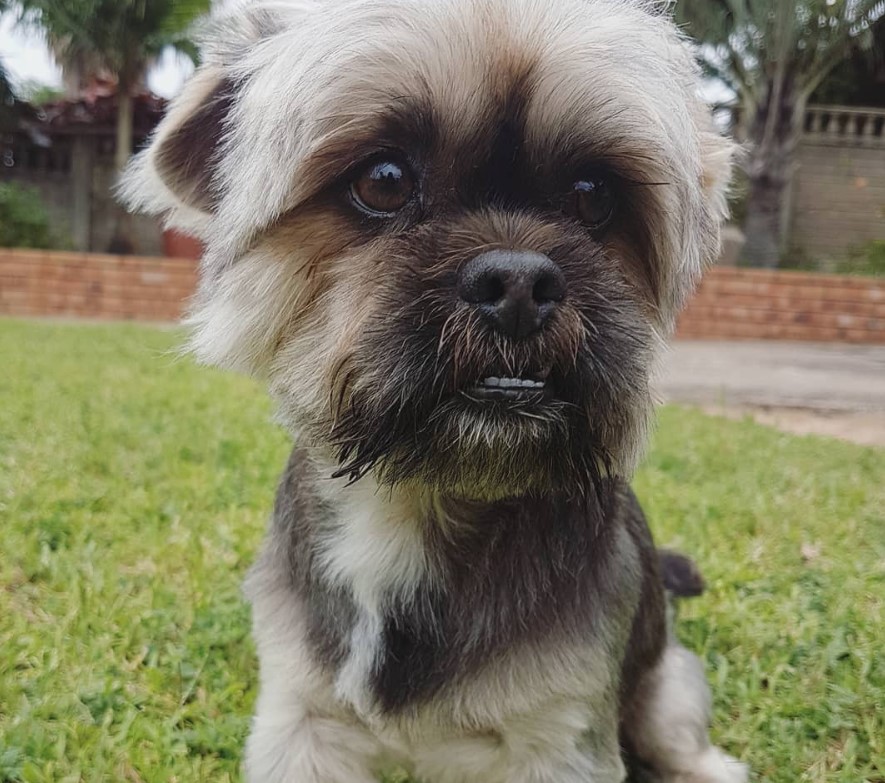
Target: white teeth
513,383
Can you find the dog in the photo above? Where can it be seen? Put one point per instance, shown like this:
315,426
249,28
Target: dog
452,237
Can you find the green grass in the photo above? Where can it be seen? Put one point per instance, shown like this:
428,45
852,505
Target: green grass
134,489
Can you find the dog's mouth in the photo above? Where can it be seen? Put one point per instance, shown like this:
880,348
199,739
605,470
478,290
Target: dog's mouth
534,386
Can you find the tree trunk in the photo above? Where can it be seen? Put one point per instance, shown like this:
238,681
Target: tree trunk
82,162
763,222
123,240
124,126
773,140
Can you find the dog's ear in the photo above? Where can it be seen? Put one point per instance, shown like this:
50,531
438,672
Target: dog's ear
176,176
185,151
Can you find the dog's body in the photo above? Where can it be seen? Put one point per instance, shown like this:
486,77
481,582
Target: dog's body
498,642
474,641
450,234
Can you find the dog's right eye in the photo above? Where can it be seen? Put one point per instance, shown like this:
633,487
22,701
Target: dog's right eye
383,187
592,201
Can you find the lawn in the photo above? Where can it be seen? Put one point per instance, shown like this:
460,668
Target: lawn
134,488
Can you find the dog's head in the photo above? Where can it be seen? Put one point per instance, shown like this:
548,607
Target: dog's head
449,233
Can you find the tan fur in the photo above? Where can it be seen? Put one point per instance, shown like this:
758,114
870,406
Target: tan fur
297,93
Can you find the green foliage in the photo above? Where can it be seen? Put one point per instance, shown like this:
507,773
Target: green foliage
38,94
24,221
7,94
750,45
859,79
737,197
867,260
121,37
134,489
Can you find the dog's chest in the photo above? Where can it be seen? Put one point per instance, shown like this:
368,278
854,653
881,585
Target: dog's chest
428,611
370,558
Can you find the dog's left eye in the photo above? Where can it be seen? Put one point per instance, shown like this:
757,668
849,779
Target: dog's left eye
383,187
592,201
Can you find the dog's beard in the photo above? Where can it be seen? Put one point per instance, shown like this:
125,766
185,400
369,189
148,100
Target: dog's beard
465,451
404,406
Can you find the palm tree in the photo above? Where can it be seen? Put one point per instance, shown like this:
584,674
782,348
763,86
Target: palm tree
774,54
6,94
121,38
860,79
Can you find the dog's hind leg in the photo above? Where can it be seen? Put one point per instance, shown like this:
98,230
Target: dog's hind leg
666,726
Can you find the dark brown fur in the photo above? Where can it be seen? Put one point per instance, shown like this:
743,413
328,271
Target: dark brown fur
512,572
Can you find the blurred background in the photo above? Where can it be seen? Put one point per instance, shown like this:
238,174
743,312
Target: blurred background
799,83
802,84
134,485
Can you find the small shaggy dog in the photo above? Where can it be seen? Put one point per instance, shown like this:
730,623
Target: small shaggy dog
451,235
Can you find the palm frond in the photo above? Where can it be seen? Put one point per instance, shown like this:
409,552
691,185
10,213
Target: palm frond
754,42
121,37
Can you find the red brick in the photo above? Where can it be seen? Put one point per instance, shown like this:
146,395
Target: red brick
730,302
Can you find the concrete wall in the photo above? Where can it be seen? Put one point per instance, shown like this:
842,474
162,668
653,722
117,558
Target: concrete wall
730,304
74,178
838,199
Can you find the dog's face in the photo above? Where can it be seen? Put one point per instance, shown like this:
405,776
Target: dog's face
449,233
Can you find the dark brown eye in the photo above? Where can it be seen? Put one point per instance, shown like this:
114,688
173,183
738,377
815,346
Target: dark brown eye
592,201
383,187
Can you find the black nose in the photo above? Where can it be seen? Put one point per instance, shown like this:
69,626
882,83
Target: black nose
516,290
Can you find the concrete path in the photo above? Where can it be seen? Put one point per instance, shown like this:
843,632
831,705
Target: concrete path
828,389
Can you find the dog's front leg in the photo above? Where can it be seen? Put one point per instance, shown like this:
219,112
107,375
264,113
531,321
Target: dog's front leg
300,734
291,744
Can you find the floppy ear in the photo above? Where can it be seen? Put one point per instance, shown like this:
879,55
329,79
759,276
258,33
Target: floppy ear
175,175
186,148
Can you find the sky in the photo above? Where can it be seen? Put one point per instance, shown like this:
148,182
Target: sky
27,59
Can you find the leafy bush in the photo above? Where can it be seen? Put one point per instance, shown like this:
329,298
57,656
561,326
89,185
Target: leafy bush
24,220
38,94
867,260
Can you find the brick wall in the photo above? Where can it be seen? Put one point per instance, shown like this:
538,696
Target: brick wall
82,285
730,304
765,305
